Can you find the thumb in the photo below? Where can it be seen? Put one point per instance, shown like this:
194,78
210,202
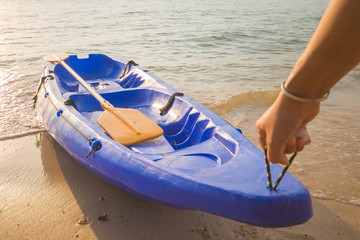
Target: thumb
302,133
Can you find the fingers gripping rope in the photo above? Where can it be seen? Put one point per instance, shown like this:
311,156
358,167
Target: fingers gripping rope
267,164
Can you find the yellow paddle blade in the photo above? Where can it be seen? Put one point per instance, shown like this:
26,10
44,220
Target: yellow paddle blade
121,132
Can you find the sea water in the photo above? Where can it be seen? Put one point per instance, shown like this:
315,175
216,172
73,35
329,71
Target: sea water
229,55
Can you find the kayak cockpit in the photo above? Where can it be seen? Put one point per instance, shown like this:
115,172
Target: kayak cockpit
188,133
184,126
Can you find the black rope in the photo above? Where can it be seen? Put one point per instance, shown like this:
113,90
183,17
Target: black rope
127,67
267,164
164,109
284,170
268,170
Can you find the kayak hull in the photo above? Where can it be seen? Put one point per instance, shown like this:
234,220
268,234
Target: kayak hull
201,162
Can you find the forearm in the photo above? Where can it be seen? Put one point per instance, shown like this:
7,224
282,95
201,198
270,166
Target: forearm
333,51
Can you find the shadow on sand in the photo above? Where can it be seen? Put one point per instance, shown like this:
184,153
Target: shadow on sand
125,216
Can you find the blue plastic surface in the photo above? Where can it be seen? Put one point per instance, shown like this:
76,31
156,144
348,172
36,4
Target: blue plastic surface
201,162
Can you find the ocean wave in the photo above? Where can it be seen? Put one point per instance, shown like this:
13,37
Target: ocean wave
261,98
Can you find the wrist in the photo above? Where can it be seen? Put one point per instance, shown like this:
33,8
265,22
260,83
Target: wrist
296,109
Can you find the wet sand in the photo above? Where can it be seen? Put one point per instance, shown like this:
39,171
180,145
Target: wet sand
45,194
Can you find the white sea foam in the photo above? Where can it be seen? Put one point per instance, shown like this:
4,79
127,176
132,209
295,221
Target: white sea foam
22,134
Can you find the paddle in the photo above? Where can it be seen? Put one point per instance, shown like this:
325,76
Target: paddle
124,125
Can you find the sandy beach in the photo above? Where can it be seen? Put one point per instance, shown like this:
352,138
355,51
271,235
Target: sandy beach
45,194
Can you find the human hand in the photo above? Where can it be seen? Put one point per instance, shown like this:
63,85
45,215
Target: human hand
282,128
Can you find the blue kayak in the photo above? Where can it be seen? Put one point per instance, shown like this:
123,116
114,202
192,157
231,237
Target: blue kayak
200,162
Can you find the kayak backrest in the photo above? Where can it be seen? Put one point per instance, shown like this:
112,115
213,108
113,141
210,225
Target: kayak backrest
133,80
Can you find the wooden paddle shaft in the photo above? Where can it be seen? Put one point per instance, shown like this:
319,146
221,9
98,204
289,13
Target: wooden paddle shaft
104,104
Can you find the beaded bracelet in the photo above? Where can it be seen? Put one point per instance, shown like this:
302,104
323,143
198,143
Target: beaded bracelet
300,99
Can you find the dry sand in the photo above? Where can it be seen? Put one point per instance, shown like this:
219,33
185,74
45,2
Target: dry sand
45,194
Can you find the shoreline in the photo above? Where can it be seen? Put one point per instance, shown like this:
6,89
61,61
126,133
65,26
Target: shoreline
47,194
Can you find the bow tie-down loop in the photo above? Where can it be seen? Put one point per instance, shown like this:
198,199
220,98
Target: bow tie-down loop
267,164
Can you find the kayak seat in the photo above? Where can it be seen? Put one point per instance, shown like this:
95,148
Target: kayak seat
96,66
70,86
